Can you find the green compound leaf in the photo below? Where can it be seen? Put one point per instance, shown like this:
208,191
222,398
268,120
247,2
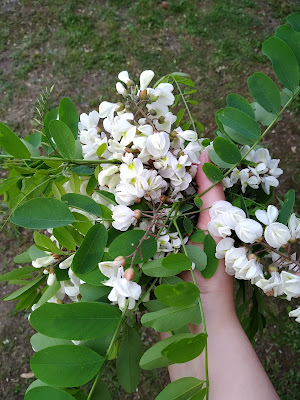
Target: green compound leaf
287,207
239,126
171,318
47,393
12,144
82,202
69,115
63,137
227,150
265,91
122,246
76,321
66,366
185,349
42,213
212,172
153,357
212,261
179,295
91,251
181,389
284,61
236,101
131,350
196,255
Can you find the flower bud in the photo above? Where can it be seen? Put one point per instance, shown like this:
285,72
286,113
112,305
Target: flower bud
121,260
120,107
173,134
292,240
253,257
272,268
270,293
143,94
137,214
138,200
129,274
161,119
153,112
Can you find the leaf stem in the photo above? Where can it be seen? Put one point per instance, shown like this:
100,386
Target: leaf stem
75,161
185,103
201,312
108,352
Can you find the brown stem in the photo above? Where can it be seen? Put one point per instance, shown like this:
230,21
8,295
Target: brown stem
279,253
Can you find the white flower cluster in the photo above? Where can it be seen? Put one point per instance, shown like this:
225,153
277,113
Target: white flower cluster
239,261
262,170
154,158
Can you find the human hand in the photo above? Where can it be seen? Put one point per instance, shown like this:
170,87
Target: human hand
221,283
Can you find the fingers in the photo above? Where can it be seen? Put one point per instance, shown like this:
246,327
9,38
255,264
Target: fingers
214,194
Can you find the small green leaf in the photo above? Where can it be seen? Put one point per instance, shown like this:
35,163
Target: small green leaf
265,92
212,172
198,236
181,389
284,61
212,261
65,366
12,144
28,287
82,223
92,184
69,115
156,269
153,357
198,201
94,277
101,149
227,150
50,116
263,116
8,183
236,101
82,202
42,213
180,116
75,321
217,160
107,196
45,243
197,256
123,246
287,207
239,126
91,251
63,138
176,262
171,318
64,238
185,349
74,182
131,350
101,392
47,393
93,293
49,293
188,225
18,273
179,295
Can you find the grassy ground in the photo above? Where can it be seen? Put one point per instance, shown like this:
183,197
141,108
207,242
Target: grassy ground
80,46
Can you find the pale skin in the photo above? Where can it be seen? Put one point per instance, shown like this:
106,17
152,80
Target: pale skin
235,371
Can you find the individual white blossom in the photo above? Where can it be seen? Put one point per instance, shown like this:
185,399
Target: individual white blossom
294,226
291,284
267,217
223,246
123,217
277,235
248,230
295,314
273,285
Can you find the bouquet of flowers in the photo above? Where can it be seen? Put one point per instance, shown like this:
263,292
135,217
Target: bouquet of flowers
114,206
